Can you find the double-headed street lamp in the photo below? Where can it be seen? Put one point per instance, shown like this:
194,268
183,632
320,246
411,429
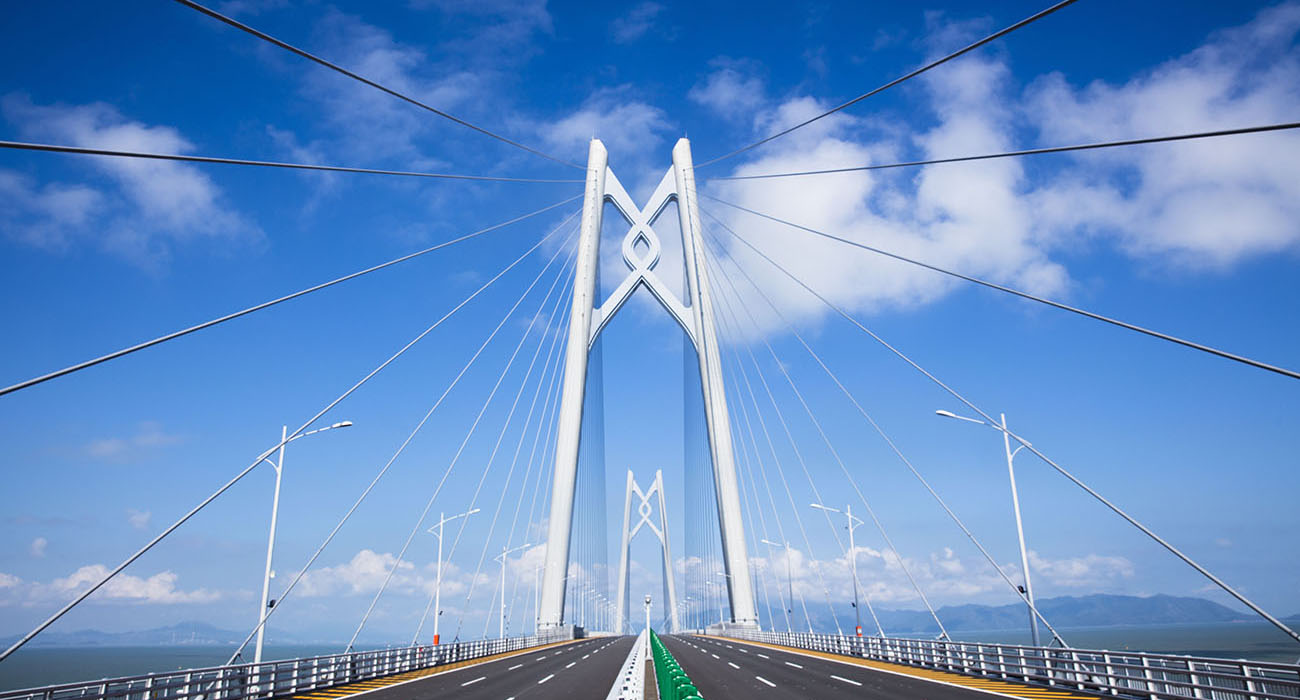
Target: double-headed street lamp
1015,504
854,523
278,464
502,558
436,531
789,582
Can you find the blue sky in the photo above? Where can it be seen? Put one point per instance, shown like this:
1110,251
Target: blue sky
1197,239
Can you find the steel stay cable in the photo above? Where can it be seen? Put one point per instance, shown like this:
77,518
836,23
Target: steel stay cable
247,470
915,472
491,336
81,150
267,304
771,397
1061,470
460,532
827,441
339,69
370,487
544,472
750,510
762,471
420,627
1026,152
933,64
1026,295
738,370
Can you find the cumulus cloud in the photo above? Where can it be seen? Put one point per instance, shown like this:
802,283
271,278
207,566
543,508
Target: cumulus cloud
732,90
1204,204
38,546
148,208
160,589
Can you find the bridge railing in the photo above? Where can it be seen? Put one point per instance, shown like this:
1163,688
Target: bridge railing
1125,674
271,679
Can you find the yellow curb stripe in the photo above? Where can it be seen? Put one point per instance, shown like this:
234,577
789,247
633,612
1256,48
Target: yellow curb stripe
373,684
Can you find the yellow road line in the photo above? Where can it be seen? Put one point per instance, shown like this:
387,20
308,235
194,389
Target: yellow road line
373,684
978,683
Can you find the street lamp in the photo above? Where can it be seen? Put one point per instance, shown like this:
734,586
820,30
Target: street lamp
789,581
502,557
854,523
436,531
278,464
1015,504
723,595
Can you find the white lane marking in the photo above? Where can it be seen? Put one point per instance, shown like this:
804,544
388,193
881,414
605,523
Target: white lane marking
572,664
476,680
733,665
764,656
743,651
540,658
515,667
845,680
588,656
791,664
546,679
730,647
714,655
769,683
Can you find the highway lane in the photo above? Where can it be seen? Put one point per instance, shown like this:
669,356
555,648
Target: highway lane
723,670
585,669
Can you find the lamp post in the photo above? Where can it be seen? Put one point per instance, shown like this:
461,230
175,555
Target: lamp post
504,553
722,620
1015,504
854,523
789,582
278,464
436,531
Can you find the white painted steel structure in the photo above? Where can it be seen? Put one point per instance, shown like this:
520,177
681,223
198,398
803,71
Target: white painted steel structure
586,322
644,510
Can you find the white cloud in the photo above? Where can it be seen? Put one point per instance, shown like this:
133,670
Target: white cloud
1203,204
153,206
636,22
138,519
732,90
159,589
149,435
624,124
1075,572
38,547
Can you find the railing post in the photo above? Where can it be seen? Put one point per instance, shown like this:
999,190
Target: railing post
1146,672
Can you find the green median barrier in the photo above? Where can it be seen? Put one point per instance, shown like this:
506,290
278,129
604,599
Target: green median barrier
674,684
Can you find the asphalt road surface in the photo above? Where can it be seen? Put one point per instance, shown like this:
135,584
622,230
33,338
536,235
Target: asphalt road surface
727,671
586,669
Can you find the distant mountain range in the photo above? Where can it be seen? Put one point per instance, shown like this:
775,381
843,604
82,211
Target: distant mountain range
182,634
1064,612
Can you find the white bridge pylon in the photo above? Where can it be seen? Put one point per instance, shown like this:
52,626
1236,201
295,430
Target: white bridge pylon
644,510
641,254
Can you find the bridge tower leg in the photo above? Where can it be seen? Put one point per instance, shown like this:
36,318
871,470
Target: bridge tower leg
644,510
573,392
697,321
734,550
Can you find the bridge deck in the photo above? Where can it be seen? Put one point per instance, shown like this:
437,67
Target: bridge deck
581,669
728,669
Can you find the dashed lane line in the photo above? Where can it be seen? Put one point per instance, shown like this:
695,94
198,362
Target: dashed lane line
793,664
846,680
733,665
572,664
546,679
977,683
374,684
769,683
476,680
516,666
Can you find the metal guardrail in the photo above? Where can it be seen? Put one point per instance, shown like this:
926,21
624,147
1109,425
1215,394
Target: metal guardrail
1125,674
272,679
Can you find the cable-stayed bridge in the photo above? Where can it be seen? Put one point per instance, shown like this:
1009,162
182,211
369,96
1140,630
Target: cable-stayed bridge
573,639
